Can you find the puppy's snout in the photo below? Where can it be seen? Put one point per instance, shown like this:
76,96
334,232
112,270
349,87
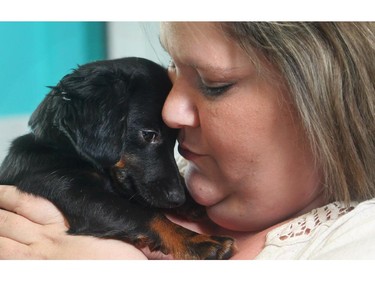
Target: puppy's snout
176,198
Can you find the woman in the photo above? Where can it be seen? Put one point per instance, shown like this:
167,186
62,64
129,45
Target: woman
277,126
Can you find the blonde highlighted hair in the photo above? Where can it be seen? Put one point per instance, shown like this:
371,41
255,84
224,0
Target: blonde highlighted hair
329,69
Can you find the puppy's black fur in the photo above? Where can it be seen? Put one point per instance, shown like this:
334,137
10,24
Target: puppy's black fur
99,150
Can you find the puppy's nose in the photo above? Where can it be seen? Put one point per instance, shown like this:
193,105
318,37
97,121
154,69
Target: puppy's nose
176,198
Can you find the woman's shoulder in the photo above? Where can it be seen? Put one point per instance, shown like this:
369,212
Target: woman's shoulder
334,231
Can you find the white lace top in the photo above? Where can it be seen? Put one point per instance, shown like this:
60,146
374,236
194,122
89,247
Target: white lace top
330,232
334,231
305,226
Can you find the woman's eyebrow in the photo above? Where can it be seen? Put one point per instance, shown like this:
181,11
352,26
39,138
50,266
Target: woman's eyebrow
203,66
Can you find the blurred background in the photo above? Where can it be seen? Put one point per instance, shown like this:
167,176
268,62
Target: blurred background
34,55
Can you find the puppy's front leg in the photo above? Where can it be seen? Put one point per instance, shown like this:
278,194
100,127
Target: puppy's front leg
186,244
92,209
106,215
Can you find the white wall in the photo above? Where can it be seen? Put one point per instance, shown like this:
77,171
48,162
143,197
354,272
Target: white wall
10,128
139,39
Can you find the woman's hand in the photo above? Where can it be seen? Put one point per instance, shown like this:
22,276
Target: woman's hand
33,228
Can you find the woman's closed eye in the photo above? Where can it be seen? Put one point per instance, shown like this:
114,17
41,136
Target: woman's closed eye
209,88
214,89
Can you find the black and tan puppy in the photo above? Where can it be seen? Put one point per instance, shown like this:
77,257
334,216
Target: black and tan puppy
99,150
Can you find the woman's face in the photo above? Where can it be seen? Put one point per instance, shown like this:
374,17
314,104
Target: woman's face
249,161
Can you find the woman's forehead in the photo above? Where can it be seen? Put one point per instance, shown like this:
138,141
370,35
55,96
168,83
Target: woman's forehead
204,47
172,31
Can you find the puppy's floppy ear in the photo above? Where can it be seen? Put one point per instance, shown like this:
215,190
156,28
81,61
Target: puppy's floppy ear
86,111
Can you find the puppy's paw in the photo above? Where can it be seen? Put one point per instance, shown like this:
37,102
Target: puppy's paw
209,247
183,243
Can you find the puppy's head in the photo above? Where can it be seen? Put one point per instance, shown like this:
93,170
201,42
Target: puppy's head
109,112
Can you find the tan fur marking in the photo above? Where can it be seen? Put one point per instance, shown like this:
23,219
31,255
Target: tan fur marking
120,164
171,236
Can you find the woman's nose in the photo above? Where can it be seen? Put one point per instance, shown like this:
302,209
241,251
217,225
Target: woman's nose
179,109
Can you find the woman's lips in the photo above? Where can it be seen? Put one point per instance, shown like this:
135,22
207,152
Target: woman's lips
188,154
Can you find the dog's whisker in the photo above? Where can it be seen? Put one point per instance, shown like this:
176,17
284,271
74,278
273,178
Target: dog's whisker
134,196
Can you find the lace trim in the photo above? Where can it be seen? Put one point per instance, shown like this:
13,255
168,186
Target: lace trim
305,225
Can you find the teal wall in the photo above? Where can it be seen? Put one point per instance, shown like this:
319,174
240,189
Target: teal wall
34,55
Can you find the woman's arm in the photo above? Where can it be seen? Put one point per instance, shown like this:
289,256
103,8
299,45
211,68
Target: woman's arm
33,228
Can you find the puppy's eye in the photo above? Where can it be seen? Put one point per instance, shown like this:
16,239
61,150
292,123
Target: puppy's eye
150,136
